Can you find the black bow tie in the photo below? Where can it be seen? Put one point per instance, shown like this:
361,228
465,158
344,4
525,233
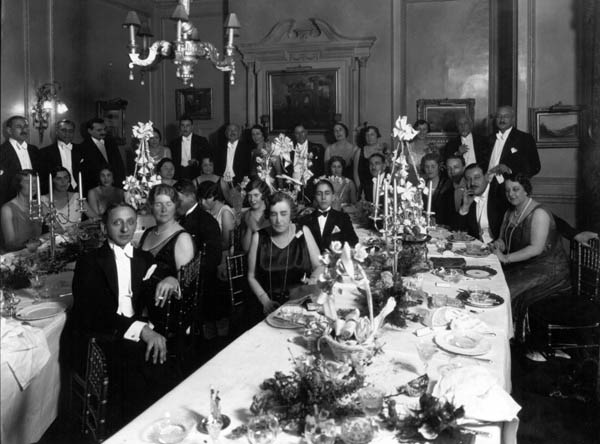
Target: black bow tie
323,213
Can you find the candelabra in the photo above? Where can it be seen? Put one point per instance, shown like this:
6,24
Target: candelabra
185,51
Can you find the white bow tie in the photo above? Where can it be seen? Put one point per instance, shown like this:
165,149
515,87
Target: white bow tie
479,199
22,146
187,138
127,250
500,136
67,146
230,145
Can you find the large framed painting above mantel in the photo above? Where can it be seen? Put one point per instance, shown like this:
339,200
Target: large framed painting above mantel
306,96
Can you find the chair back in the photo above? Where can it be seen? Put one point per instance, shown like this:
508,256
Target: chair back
235,240
586,269
236,273
182,312
96,392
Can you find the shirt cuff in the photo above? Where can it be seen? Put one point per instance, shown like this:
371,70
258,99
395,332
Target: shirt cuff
134,331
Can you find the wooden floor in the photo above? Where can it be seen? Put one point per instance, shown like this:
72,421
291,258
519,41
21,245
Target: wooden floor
544,419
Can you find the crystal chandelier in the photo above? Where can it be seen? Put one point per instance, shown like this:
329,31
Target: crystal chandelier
185,51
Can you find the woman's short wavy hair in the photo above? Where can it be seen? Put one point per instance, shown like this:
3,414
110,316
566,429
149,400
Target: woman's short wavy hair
335,159
261,186
521,178
16,184
281,196
208,189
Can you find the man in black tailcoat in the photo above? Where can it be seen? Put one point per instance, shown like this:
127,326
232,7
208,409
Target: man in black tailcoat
63,153
188,150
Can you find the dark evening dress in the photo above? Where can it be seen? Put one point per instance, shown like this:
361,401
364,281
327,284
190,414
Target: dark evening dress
164,258
279,269
542,276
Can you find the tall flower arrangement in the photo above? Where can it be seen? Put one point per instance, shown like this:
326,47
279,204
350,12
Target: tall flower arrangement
137,187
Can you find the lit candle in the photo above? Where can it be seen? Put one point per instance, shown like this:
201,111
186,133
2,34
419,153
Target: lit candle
429,200
80,185
386,197
376,197
38,190
51,193
30,188
395,198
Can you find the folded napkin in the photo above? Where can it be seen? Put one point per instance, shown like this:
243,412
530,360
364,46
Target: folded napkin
24,350
458,319
474,388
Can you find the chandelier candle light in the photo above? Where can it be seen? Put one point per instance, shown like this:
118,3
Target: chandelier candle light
185,51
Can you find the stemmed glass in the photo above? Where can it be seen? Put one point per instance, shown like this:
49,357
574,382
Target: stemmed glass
263,429
371,402
37,282
426,350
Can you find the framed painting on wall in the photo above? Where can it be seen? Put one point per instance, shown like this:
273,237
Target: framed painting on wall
442,114
194,102
113,113
306,96
555,127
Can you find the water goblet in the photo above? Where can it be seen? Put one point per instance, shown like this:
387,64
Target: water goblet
371,402
426,350
263,429
37,282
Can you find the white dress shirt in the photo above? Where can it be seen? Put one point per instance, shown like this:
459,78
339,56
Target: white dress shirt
123,261
482,217
231,147
497,152
186,150
22,154
65,159
300,160
469,156
100,144
322,219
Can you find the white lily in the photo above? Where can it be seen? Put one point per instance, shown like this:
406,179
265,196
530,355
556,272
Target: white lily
404,130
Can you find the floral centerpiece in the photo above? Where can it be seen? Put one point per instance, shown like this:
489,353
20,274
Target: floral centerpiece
137,187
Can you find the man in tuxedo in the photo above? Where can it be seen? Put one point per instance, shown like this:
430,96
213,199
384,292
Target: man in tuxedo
108,305
63,153
16,155
201,225
512,151
308,155
483,206
97,151
326,224
232,161
187,150
472,147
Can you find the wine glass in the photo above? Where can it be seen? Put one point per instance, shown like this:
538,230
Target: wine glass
37,282
263,429
426,350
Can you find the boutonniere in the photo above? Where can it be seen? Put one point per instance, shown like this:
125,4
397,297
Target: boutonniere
335,230
513,150
149,272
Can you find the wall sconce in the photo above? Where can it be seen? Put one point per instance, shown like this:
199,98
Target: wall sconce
47,98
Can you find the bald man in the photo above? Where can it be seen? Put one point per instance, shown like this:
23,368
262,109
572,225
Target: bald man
232,160
471,147
513,151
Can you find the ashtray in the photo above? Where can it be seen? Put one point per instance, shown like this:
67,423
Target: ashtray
171,429
225,420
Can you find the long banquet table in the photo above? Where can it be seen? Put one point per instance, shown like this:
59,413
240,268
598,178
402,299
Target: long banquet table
27,414
240,368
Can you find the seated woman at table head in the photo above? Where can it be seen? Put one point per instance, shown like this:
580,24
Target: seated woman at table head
106,193
17,226
65,202
255,218
442,199
166,170
281,255
169,243
530,250
344,188
207,168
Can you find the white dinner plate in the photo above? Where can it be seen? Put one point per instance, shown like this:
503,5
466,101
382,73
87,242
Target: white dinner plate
463,343
43,310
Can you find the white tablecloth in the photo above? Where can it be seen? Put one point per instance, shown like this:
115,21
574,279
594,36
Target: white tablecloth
239,369
26,415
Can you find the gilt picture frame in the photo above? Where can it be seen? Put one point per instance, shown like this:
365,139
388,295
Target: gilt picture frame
194,102
308,96
556,127
113,113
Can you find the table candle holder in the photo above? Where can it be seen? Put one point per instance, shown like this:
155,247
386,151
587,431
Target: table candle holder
81,201
51,220
35,211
